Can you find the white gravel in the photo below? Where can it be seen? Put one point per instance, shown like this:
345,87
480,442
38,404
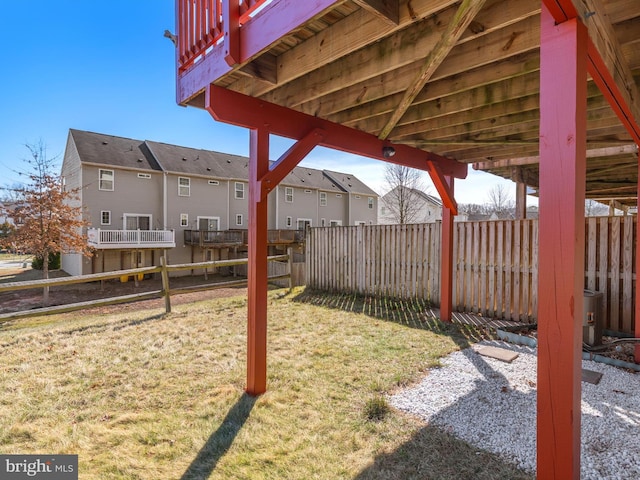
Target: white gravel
492,405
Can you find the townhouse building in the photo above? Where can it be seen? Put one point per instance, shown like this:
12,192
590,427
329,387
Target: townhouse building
144,199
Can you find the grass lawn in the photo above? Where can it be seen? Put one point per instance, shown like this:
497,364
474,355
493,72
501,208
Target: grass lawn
138,394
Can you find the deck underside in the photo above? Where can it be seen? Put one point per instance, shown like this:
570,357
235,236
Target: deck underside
460,79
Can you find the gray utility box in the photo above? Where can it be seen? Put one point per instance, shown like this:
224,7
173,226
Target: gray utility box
593,320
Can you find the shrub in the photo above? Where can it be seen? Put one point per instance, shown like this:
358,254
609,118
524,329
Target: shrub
376,408
54,262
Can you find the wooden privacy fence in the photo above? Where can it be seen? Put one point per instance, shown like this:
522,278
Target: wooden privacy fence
495,265
166,291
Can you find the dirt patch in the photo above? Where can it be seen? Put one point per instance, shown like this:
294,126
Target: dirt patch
61,295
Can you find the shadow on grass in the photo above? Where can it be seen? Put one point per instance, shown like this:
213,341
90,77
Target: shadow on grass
221,440
410,312
432,452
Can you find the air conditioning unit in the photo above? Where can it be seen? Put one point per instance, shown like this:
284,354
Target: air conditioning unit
593,321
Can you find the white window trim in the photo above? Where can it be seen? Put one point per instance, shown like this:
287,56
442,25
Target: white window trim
289,221
187,186
323,199
214,182
102,212
240,217
185,217
323,222
236,191
298,220
288,193
125,215
207,217
146,176
370,202
113,180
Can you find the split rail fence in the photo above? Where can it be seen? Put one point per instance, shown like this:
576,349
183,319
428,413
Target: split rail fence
284,274
495,265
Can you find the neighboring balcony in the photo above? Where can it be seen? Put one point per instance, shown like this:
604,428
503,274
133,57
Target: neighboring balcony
118,239
233,238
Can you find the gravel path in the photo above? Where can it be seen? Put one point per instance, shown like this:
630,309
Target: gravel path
492,405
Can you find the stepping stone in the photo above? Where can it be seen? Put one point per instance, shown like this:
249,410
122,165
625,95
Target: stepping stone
498,353
590,376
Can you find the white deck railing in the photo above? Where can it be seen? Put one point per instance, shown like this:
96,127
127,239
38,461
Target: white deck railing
99,238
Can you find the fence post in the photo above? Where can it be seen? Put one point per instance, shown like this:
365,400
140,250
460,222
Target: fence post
165,284
290,267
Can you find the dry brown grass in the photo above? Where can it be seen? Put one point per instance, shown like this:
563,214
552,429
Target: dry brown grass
143,395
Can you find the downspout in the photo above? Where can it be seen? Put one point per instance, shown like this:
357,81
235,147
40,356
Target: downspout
229,205
349,209
165,207
277,199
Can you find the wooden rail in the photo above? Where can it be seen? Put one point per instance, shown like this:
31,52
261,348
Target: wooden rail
495,265
166,291
201,24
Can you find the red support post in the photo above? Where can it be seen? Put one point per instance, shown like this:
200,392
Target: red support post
257,278
637,312
231,27
563,126
446,259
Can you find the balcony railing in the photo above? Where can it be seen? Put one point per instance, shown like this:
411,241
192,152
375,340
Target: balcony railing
213,237
240,237
201,25
105,239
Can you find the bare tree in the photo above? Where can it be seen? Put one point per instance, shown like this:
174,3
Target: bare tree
405,187
46,221
593,208
500,202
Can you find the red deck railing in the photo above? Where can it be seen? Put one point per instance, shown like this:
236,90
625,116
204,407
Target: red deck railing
200,25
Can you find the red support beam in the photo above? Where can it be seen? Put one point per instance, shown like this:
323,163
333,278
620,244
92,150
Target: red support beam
637,316
289,160
446,259
563,126
238,109
257,278
443,186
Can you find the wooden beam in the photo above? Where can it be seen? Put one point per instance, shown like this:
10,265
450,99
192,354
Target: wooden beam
607,64
232,107
593,153
446,259
231,26
289,160
563,75
257,268
387,10
442,185
267,27
466,12
348,35
637,291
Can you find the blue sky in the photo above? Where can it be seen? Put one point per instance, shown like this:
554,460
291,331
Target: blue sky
106,67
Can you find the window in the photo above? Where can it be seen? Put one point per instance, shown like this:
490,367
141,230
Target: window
239,219
105,217
144,175
184,219
303,223
105,180
335,223
323,199
184,187
370,202
137,222
288,194
289,221
383,211
239,191
209,224
323,222
214,182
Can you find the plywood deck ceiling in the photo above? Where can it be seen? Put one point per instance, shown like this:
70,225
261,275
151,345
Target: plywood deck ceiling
475,77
